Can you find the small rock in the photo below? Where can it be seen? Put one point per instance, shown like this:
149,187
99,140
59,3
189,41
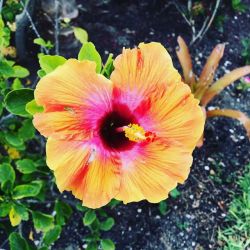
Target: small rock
207,168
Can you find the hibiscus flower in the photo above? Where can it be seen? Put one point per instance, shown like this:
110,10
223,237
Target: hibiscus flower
130,137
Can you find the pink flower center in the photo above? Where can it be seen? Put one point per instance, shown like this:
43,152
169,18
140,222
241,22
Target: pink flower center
112,138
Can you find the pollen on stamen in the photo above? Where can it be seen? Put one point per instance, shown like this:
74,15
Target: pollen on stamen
136,133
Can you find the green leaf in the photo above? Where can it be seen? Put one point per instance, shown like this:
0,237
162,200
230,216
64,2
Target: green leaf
27,131
163,207
32,107
4,209
175,193
107,244
108,67
20,72
41,73
7,176
16,100
13,139
92,246
63,212
52,235
80,207
14,217
5,69
42,222
89,217
49,63
1,103
89,52
26,190
17,84
113,203
21,210
81,34
107,224
17,242
40,41
26,166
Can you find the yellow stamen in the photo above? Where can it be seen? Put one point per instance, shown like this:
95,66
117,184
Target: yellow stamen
134,132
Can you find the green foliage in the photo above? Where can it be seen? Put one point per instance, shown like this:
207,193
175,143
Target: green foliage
107,244
220,21
245,53
32,108
7,177
63,212
26,190
163,207
17,242
107,224
236,235
175,193
89,217
108,66
26,166
52,235
16,100
81,34
10,10
89,52
49,63
239,6
97,221
23,173
46,44
20,72
42,222
243,85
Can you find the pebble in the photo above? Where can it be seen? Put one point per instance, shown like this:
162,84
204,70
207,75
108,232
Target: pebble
211,108
210,159
212,172
36,242
234,139
227,63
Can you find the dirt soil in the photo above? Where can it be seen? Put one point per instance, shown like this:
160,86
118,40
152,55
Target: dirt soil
194,217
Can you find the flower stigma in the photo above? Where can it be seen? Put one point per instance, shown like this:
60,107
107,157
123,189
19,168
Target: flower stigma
136,133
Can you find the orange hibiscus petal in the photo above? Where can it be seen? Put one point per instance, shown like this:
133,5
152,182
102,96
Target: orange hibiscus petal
141,68
177,116
61,125
153,172
91,176
73,96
